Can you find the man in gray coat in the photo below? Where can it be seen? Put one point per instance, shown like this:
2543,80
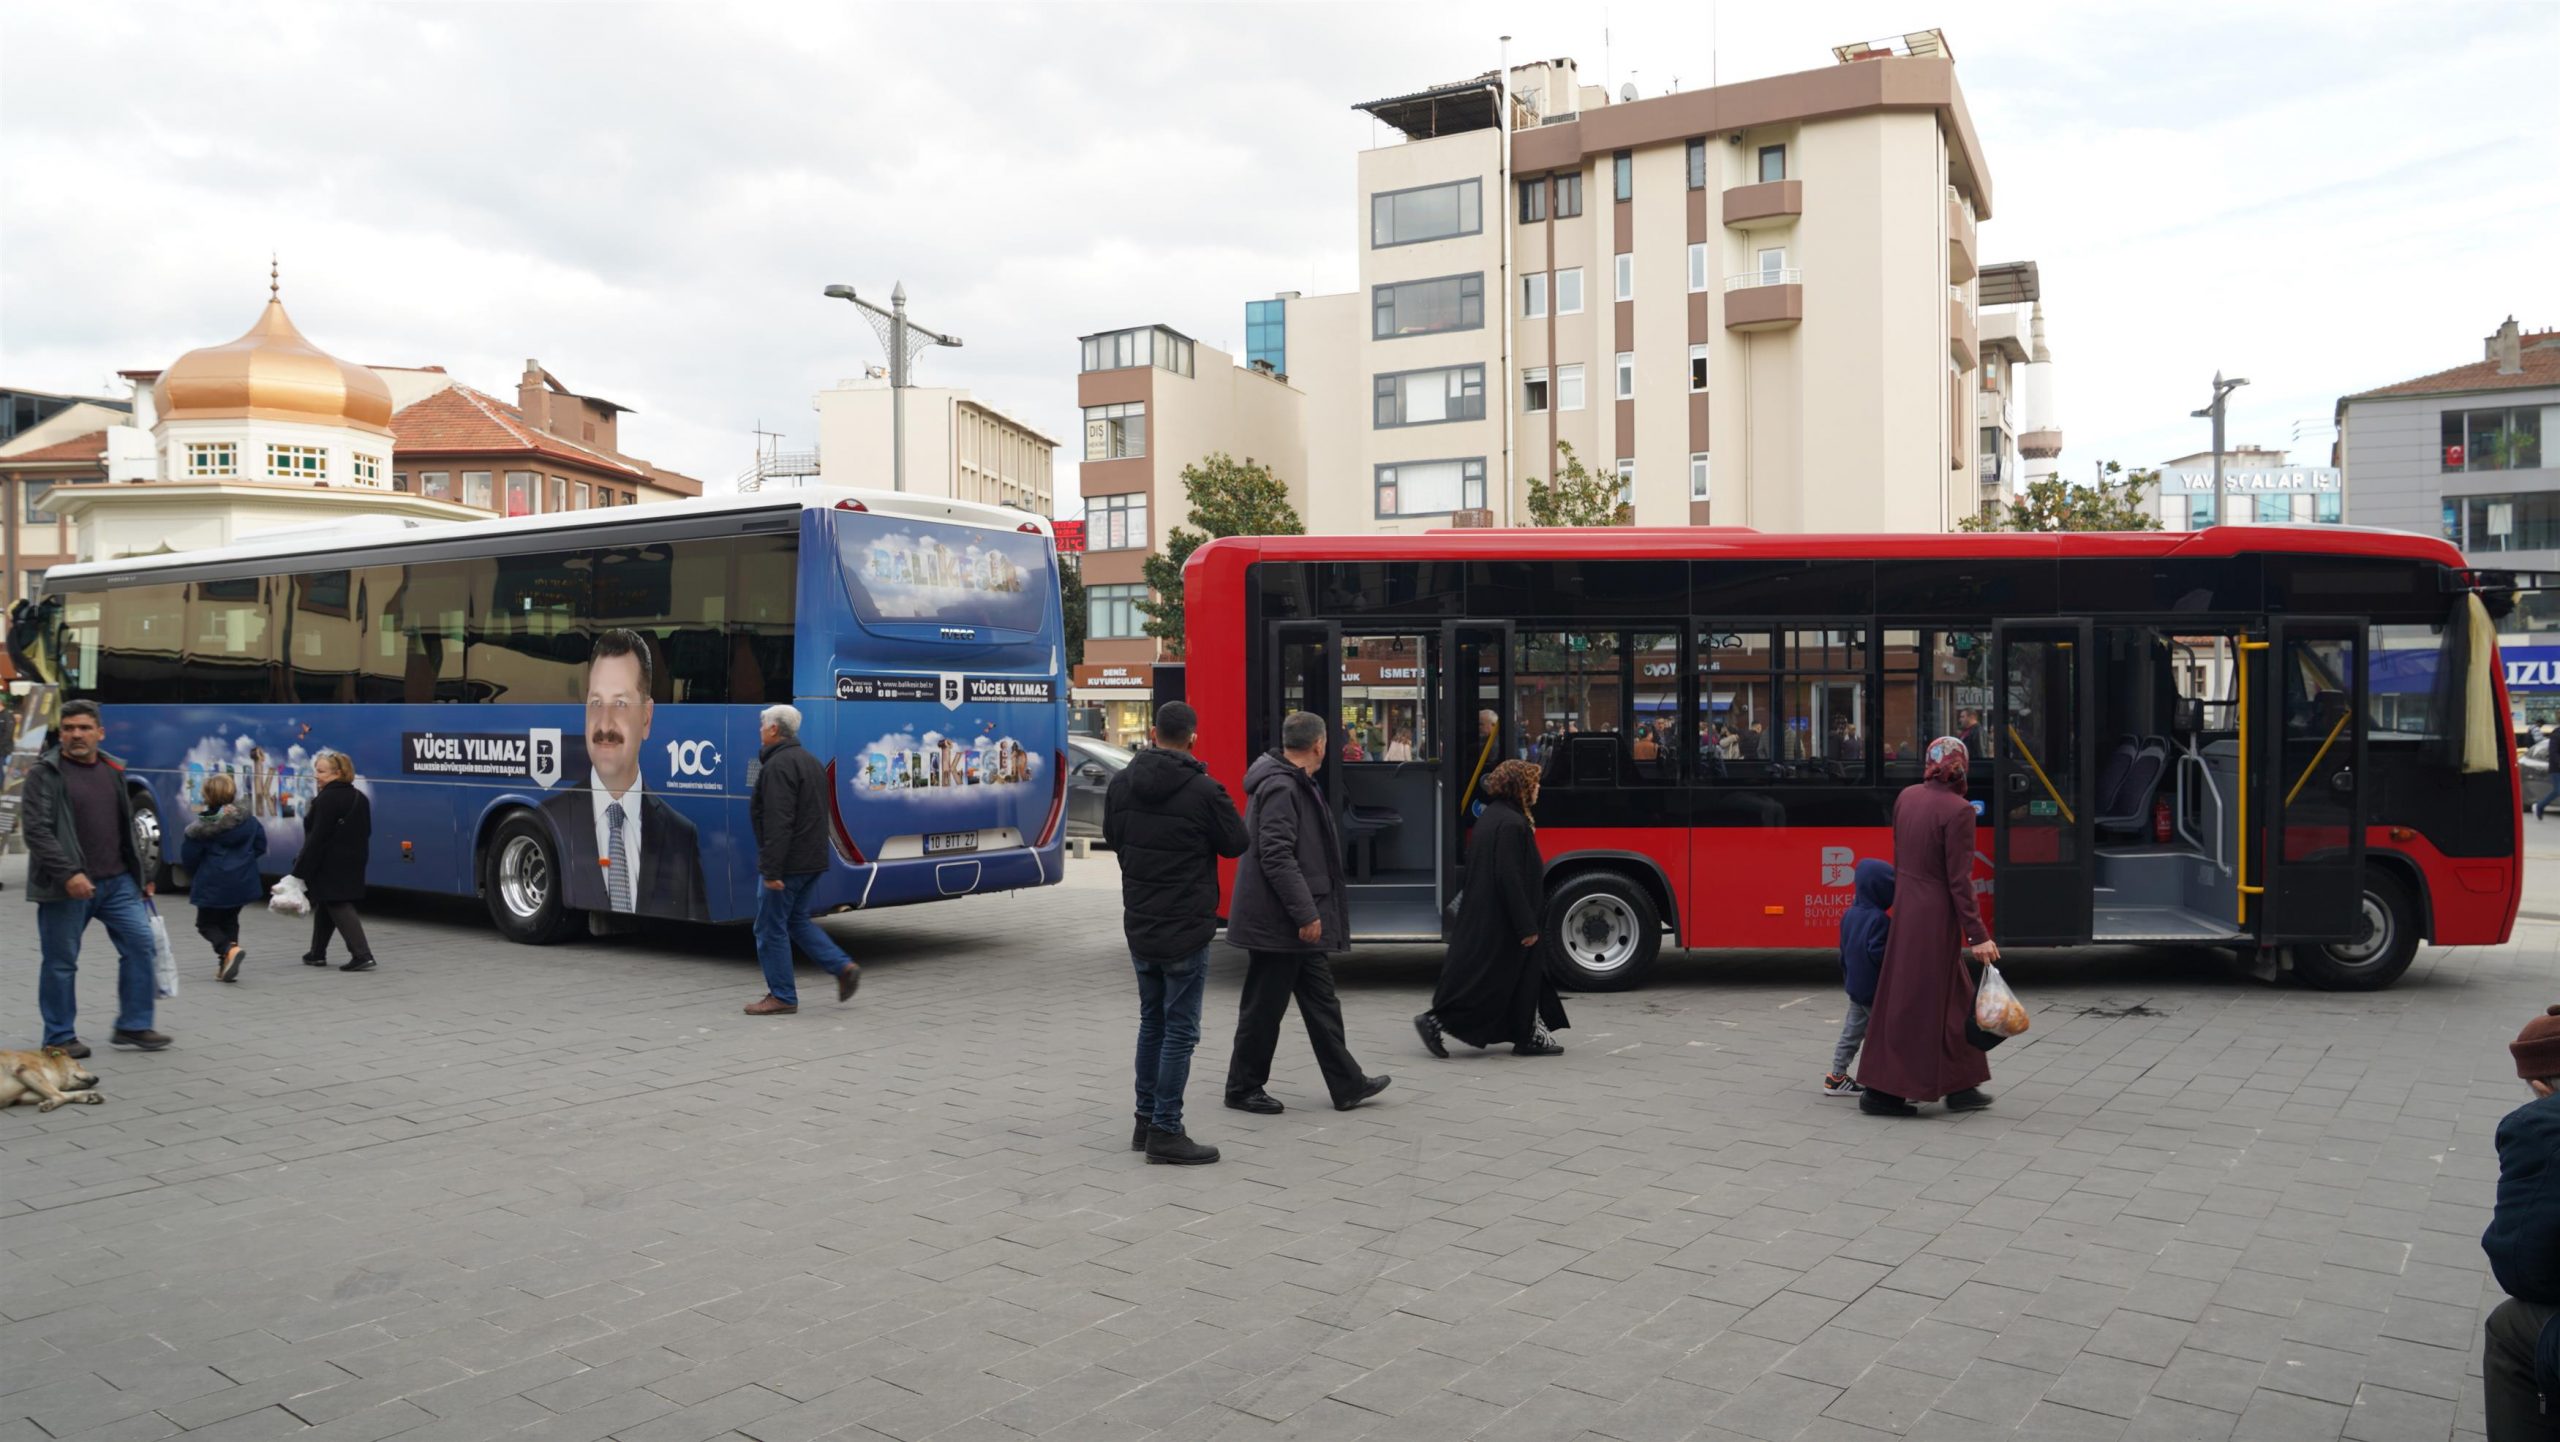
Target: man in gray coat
1289,911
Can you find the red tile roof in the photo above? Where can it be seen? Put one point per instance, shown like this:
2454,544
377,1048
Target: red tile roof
79,448
461,421
2541,367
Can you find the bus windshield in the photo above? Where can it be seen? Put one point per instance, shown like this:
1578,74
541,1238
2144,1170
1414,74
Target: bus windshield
902,572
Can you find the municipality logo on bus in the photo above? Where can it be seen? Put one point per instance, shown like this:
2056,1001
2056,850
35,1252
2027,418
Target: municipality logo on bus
1839,866
532,755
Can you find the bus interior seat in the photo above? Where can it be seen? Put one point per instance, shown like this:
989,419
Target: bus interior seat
2129,810
2111,776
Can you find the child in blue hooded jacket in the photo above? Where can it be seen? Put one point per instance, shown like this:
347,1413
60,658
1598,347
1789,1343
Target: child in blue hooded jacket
1863,929
222,848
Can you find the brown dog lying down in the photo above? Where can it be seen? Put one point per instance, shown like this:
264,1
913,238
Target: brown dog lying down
50,1074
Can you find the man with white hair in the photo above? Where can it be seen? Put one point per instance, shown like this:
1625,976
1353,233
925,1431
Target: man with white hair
790,811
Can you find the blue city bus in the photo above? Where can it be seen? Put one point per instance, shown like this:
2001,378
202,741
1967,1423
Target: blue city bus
528,700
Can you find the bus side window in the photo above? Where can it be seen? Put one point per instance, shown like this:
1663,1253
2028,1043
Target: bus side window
1736,706
1565,688
762,608
1824,695
232,652
528,628
320,637
139,650
1903,718
1656,743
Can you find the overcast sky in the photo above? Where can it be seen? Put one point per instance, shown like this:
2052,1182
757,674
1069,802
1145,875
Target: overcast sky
649,198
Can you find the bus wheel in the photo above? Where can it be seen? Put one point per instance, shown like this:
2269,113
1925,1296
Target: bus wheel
522,882
2374,959
146,839
1602,933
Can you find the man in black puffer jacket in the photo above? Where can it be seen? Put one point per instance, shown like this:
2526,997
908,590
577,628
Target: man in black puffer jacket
2520,1371
1169,823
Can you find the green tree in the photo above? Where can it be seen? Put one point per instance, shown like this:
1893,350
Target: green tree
1228,497
1071,605
1578,498
2112,503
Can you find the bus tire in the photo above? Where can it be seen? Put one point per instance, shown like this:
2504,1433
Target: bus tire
149,840
1603,932
520,879
2374,960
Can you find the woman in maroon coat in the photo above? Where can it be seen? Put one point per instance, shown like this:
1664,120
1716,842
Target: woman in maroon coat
1916,1048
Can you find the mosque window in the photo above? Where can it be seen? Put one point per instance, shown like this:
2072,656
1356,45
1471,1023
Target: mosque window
298,462
368,469
213,458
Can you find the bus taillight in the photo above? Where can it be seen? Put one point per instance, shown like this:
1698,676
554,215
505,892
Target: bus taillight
850,504
835,819
1057,800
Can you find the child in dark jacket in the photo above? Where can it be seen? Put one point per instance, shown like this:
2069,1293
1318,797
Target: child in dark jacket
221,854
1863,929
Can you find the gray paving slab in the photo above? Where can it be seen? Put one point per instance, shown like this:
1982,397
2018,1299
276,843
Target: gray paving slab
571,1194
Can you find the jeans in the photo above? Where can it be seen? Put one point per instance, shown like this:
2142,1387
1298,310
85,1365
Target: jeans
1853,1033
782,920
2514,1404
119,906
1168,1029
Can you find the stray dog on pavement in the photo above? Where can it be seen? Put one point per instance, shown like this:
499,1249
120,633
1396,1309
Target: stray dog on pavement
51,1074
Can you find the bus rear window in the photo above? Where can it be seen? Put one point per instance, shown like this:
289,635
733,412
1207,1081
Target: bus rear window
899,571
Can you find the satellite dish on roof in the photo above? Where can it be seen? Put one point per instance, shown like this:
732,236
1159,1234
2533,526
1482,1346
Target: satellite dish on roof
1627,92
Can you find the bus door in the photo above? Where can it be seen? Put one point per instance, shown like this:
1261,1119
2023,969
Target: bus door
1306,675
2310,707
1476,665
2042,822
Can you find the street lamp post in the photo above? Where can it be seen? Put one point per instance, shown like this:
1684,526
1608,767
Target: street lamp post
2222,390
901,339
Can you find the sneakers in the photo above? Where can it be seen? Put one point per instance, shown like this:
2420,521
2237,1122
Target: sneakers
1369,1087
1173,1149
1971,1099
144,1040
1885,1104
1429,1027
767,1006
1839,1084
1538,1044
228,968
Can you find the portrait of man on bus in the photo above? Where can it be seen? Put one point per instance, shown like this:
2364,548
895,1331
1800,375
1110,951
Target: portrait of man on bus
622,848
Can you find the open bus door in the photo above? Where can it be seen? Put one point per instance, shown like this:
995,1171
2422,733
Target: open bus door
2307,807
1476,660
2042,821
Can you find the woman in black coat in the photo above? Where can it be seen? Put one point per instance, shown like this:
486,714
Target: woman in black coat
336,836
1492,986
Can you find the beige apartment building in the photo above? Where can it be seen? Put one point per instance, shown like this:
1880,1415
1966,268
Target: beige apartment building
1755,303
957,446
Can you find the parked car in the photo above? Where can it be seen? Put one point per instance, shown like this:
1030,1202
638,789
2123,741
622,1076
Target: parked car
1091,763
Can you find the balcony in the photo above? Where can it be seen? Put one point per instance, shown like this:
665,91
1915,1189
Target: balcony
1989,467
1960,337
1960,238
1757,207
1764,300
2041,445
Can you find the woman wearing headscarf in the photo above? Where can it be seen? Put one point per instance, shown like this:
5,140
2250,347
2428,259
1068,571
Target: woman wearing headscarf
1492,987
1916,1049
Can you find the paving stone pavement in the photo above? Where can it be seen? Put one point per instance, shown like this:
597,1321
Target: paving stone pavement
572,1194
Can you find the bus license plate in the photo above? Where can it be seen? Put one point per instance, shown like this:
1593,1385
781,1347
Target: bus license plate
946,841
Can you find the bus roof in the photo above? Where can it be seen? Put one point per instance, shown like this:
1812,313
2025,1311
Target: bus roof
613,525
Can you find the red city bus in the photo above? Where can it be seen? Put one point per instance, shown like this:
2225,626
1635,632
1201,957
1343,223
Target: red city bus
2243,737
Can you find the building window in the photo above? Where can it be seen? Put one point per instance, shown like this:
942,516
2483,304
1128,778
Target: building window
400,482
1626,273
34,491
1622,167
1112,614
2499,440
1428,307
1698,164
1697,268
1533,390
1626,480
1569,195
1569,291
213,458
1426,212
1146,345
1533,201
1773,163
1533,296
1698,367
476,490
2529,521
1266,334
2328,508
581,496
1569,387
301,463
1773,265
524,493
1698,475
1430,488
1116,523
556,499
1422,398
438,484
1115,433
367,469
1626,375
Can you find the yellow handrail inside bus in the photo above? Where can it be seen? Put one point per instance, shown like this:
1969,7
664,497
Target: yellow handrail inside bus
2240,664
1482,757
2315,761
2032,765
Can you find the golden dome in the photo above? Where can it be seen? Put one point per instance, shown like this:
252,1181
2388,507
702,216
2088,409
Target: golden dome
274,374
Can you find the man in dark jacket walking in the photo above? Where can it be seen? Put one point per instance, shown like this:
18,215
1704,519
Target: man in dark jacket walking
789,808
2521,1368
1290,909
1169,823
83,865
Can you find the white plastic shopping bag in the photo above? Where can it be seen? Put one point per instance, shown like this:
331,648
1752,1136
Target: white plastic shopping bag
1996,1009
164,962
290,899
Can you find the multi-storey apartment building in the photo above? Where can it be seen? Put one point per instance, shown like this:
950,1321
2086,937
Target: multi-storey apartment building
957,446
1755,303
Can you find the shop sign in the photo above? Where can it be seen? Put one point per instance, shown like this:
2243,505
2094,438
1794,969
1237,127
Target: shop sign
1096,676
2531,668
2281,480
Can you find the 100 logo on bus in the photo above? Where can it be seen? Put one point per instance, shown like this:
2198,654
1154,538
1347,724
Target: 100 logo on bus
692,758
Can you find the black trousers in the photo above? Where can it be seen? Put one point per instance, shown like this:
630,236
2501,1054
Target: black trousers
219,925
2513,1403
1271,978
340,917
